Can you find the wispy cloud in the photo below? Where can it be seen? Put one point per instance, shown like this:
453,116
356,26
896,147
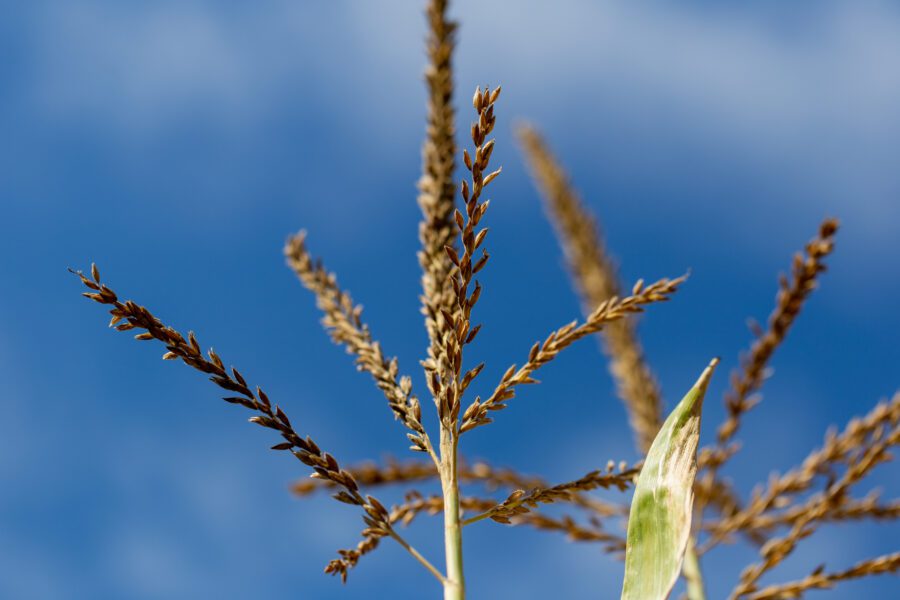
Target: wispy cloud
139,66
807,91
149,65
830,67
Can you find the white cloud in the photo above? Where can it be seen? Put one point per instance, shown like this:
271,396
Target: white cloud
820,90
143,66
822,83
806,94
136,67
825,68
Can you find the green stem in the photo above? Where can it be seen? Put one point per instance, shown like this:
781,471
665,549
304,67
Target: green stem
476,518
693,576
454,584
418,556
489,513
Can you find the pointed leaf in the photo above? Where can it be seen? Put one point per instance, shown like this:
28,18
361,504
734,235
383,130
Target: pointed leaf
659,524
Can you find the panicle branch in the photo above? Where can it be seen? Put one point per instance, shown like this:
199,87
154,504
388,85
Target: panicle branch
343,321
541,353
754,366
575,532
492,478
861,434
437,189
820,580
776,550
860,460
128,315
594,276
411,471
444,374
792,293
521,502
371,539
851,509
416,504
593,531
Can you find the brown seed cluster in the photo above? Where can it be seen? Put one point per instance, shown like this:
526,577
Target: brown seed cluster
820,580
416,504
437,188
863,445
878,429
792,293
128,315
411,471
443,372
859,462
594,276
492,478
348,558
745,383
541,353
851,509
343,321
592,531
521,502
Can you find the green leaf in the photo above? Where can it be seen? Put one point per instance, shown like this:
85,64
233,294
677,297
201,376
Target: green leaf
659,524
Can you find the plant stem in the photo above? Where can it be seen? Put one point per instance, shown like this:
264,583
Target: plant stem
489,513
424,561
454,584
693,576
476,518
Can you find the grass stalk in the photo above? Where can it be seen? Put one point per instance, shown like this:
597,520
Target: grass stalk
693,575
455,582
418,556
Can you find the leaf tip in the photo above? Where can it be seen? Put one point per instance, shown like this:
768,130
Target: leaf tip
707,374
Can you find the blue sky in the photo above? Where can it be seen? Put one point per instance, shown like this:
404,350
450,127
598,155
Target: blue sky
177,144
